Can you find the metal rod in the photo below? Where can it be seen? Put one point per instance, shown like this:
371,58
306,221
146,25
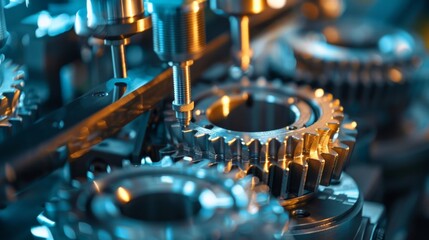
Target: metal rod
118,60
182,92
240,38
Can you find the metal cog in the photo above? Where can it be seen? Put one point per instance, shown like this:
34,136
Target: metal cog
361,62
16,109
167,201
292,157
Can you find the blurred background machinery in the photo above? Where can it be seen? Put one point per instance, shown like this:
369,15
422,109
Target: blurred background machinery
216,119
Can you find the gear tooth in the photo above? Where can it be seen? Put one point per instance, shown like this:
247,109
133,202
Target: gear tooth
294,146
339,116
311,142
298,175
254,147
336,103
218,147
324,139
202,142
315,172
20,75
334,126
328,97
177,133
282,152
236,150
189,140
331,159
12,96
272,149
278,180
4,109
343,153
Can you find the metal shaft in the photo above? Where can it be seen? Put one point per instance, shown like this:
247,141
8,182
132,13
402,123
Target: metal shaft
240,36
182,92
118,60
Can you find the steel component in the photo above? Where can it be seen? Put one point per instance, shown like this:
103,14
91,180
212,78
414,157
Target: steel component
172,202
366,71
293,139
69,133
114,21
15,111
339,206
179,37
238,13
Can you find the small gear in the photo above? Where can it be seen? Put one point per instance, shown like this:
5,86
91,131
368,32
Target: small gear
175,201
16,109
367,65
292,139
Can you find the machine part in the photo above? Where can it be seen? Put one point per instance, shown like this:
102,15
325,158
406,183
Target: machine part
238,13
16,109
179,37
298,140
336,212
68,133
172,202
114,21
367,72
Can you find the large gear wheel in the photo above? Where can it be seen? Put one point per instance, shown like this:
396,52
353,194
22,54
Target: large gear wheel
293,139
367,65
16,109
169,202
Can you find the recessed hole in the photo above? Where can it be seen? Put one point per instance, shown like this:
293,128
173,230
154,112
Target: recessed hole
119,90
300,213
209,126
247,113
162,207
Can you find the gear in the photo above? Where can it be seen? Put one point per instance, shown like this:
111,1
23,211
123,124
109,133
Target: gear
168,202
16,109
293,139
366,64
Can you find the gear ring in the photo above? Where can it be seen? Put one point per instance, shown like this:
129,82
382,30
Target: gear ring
11,86
363,70
164,203
311,149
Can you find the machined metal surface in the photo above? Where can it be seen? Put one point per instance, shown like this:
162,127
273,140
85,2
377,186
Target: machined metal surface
366,71
41,149
238,13
336,212
175,202
112,19
179,38
298,140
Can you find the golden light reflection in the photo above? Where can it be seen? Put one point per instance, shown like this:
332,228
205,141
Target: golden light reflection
195,6
319,93
97,188
352,125
395,75
123,195
332,8
331,34
276,4
225,105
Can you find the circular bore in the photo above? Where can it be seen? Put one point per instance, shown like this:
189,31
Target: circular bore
307,145
188,202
